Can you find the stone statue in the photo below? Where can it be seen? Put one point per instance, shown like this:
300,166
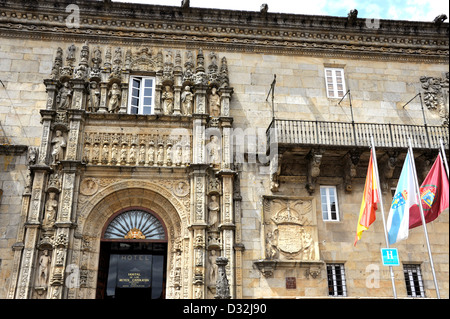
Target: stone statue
114,98
168,100
187,99
51,207
64,96
160,155
213,208
59,144
213,269
214,103
44,261
213,151
94,101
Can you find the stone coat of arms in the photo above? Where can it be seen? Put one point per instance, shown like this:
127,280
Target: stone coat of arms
291,230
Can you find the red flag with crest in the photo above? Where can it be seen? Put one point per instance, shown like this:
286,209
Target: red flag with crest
434,193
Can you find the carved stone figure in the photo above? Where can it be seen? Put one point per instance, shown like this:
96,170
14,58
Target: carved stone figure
123,155
114,98
213,151
168,100
51,206
187,99
271,249
178,155
142,155
187,155
308,248
94,99
64,96
214,103
213,266
105,154
213,208
132,156
169,155
114,152
59,144
151,155
160,155
95,154
43,270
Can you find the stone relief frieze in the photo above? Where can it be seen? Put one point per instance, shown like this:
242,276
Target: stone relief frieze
157,149
301,35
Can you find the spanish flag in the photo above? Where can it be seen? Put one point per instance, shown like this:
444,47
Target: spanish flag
369,201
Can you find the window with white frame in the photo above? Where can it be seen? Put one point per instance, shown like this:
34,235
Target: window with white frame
413,281
335,82
337,284
328,199
141,98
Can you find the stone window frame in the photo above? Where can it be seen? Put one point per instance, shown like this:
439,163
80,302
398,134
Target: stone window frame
337,93
328,203
141,97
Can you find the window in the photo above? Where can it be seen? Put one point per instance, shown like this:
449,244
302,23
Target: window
328,198
335,82
336,280
413,280
135,224
141,95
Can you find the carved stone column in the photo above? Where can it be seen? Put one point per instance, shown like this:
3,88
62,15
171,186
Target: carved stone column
225,96
124,99
79,96
198,229
227,226
177,74
227,143
200,99
177,100
103,94
51,87
35,212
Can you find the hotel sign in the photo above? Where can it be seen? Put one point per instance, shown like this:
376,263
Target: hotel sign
134,271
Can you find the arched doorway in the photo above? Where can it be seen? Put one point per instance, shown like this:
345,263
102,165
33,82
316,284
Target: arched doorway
133,256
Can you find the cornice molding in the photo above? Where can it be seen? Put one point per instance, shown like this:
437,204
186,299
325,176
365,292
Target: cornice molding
131,24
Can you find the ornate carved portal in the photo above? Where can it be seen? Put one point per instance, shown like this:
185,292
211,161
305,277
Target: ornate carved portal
97,158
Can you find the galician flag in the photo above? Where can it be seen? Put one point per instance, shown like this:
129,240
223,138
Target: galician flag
404,199
369,201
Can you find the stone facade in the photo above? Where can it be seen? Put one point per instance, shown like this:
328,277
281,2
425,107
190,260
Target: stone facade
73,156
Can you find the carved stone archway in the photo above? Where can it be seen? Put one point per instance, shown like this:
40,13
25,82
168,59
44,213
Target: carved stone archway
94,215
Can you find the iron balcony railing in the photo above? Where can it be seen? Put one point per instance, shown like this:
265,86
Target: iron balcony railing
355,134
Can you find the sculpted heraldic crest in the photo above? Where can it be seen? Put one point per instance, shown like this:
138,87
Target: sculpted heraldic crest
291,231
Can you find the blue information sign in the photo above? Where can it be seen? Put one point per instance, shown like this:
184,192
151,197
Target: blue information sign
389,257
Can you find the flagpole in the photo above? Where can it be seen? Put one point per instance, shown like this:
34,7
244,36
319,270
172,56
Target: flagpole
422,216
380,196
444,158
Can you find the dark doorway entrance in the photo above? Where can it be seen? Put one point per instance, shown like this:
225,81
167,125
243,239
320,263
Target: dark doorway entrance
133,256
130,270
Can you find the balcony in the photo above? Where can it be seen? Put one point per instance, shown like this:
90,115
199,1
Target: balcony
292,133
